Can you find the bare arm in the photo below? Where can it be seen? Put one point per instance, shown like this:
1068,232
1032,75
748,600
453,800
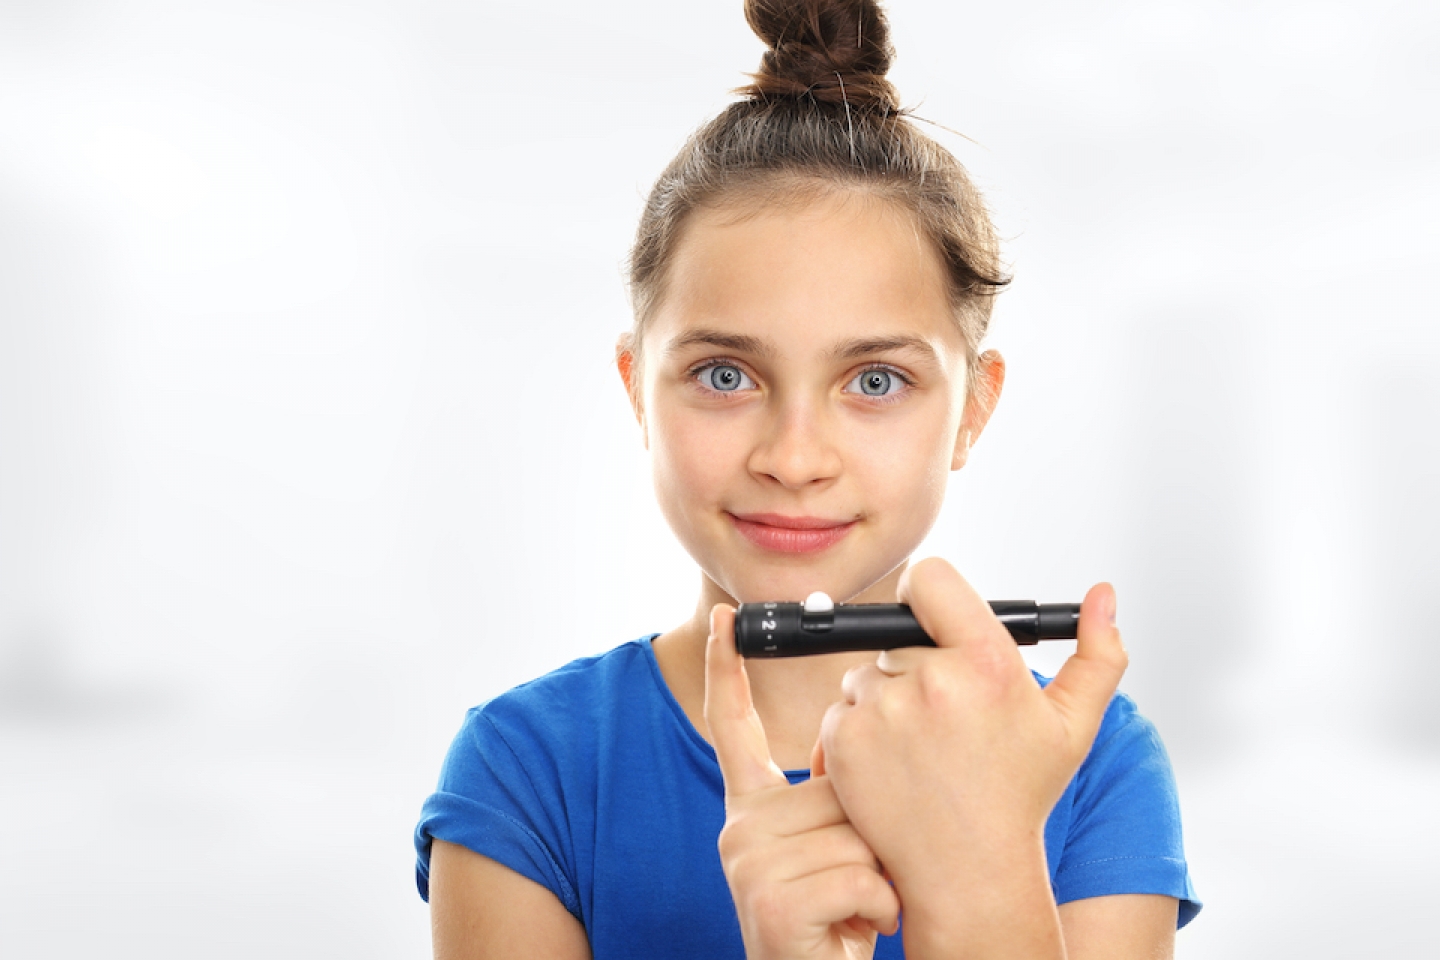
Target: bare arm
480,909
1127,927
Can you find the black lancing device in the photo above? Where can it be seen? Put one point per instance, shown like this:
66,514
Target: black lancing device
819,625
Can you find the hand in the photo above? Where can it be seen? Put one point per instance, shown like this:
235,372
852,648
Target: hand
948,761
805,885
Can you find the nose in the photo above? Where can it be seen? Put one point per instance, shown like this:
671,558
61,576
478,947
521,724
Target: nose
797,449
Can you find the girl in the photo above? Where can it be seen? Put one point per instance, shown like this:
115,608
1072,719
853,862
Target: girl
812,279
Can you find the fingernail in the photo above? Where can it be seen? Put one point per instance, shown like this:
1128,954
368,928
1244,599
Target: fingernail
1110,608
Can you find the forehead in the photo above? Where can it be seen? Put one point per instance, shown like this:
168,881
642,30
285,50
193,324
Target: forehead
815,270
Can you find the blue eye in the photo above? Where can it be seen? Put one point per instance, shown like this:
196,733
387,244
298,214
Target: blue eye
725,378
876,383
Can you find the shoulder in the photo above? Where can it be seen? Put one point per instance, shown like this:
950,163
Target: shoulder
560,707
565,688
520,776
1128,750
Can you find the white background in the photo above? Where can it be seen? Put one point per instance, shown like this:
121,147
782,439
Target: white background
309,436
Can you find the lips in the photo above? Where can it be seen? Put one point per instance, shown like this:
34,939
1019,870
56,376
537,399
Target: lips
783,534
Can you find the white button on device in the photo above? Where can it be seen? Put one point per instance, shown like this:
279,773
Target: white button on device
819,602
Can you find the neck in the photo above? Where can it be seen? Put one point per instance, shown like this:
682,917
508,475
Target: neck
791,695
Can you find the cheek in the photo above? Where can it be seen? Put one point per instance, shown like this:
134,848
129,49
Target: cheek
689,459
907,467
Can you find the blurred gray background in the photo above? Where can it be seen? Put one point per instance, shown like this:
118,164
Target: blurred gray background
310,439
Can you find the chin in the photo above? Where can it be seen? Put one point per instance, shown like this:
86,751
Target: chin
790,584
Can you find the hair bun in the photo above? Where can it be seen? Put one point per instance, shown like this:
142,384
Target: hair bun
831,51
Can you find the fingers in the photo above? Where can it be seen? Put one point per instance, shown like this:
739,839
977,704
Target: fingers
851,893
806,806
799,872
796,856
817,759
1088,680
861,680
735,728
851,890
953,614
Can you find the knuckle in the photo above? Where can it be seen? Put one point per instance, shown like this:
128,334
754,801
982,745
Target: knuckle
770,907
735,838
727,844
994,660
938,685
857,883
743,873
1121,655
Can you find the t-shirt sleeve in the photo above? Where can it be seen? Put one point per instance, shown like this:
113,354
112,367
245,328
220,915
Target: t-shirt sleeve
1124,832
487,801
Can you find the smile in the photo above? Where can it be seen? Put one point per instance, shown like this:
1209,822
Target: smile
781,534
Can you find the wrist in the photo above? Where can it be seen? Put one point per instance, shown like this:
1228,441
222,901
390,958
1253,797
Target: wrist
994,901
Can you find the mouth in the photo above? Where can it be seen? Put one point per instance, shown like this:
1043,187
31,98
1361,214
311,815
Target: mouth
778,533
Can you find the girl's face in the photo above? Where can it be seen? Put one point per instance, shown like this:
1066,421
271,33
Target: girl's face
803,396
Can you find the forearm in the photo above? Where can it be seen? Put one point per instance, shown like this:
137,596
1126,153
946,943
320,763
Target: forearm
994,903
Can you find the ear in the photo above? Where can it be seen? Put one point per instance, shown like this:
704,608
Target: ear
630,376
984,393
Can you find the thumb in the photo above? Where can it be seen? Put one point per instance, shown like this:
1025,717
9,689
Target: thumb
1086,682
735,728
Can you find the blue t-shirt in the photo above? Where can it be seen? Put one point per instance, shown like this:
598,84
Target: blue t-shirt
592,782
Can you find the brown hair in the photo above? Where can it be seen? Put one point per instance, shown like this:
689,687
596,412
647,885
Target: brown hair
821,116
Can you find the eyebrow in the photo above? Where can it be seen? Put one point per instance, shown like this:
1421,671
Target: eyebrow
738,342
846,350
854,349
